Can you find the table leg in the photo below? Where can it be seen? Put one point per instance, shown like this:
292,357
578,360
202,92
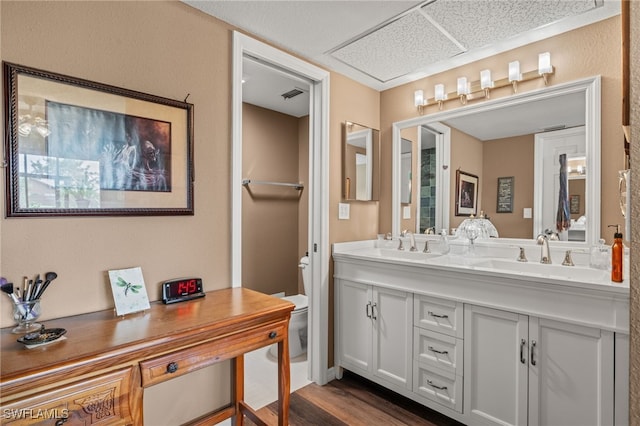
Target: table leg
238,389
284,382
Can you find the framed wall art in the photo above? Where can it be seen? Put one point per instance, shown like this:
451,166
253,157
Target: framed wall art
466,194
505,195
574,204
81,148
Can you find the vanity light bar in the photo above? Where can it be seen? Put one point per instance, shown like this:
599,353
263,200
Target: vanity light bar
481,88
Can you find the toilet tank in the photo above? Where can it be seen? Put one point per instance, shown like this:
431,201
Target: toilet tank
306,274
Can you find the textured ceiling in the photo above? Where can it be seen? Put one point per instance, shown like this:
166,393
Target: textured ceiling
442,29
383,44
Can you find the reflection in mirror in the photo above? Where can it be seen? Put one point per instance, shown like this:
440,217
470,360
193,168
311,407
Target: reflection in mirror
405,171
550,146
361,161
423,179
496,139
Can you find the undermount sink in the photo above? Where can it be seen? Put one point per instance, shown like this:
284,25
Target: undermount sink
569,273
392,253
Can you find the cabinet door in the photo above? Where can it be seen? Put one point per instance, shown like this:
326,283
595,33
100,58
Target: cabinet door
495,366
392,314
570,374
354,325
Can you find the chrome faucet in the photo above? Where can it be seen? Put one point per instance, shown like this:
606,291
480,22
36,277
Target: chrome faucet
545,254
413,242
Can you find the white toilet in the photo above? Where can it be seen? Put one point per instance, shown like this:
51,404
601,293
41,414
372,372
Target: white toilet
298,321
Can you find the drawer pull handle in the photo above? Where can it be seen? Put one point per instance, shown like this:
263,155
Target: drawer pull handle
432,349
273,335
430,383
172,367
368,307
437,315
522,344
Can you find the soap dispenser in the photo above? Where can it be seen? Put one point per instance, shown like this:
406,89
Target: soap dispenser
617,252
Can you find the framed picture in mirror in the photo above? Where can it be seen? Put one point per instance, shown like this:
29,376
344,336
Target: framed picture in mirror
80,148
505,195
574,204
466,194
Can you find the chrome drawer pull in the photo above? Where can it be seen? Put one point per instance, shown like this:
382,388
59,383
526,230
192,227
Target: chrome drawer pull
430,383
437,315
432,349
522,343
368,310
374,307
172,367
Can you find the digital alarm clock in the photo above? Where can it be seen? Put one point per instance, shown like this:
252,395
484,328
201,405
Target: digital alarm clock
180,290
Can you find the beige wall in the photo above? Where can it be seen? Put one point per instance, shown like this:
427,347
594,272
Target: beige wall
504,158
128,44
585,52
270,213
303,205
466,156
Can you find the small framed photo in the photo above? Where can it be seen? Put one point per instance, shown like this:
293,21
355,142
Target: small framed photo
505,195
466,194
574,204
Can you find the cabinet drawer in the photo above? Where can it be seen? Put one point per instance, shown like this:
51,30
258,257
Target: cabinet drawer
438,385
183,361
440,315
102,400
438,350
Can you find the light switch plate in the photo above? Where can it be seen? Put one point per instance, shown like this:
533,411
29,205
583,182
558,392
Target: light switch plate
343,211
406,212
526,213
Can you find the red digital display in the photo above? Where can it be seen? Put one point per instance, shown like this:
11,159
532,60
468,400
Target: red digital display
187,287
183,289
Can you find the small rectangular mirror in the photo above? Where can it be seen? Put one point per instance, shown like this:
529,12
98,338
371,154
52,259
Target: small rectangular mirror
360,162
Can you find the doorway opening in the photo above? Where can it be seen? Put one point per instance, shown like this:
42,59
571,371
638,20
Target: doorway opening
316,189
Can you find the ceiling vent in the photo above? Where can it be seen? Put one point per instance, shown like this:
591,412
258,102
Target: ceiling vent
292,93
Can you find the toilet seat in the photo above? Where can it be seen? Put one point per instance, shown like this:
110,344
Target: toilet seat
300,300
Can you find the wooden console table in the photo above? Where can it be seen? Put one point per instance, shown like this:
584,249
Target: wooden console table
98,374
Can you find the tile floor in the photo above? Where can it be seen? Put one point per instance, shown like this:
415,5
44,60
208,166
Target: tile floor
261,378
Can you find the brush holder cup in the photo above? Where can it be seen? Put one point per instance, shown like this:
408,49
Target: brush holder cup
25,313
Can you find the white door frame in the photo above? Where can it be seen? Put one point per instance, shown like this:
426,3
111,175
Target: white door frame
318,187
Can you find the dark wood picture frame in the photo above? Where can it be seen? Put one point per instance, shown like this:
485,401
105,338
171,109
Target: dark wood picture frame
504,202
466,193
80,148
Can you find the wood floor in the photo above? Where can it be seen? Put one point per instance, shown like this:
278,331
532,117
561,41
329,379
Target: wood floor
353,401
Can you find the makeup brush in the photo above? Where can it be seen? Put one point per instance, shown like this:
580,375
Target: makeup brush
49,276
8,288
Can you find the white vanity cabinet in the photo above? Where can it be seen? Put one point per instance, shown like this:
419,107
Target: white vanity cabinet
374,335
524,370
483,346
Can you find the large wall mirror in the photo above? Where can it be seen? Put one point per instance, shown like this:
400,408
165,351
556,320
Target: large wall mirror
520,138
360,162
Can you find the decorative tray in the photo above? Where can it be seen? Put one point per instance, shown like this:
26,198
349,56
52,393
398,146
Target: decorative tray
42,336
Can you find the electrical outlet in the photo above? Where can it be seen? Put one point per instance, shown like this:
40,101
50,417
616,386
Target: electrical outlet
343,211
